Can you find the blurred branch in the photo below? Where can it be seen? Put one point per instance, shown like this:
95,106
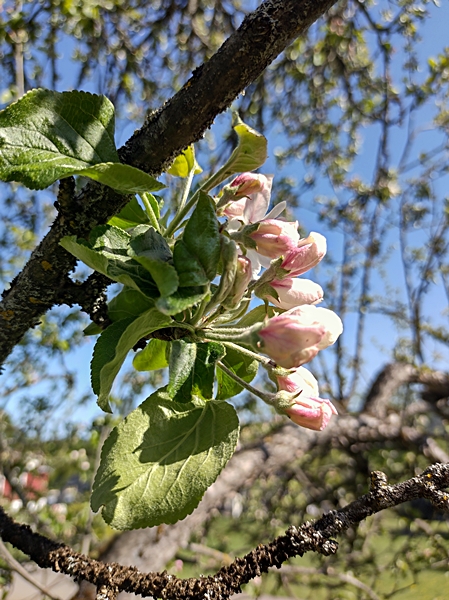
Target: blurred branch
312,536
17,567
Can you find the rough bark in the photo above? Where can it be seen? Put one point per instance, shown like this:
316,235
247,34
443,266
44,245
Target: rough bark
264,34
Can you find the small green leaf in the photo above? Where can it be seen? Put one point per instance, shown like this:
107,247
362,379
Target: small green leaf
122,178
114,344
156,465
184,163
106,251
151,250
202,237
181,300
189,269
250,154
131,215
242,365
192,370
152,357
182,359
128,303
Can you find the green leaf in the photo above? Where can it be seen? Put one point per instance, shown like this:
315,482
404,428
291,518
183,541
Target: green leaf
182,359
156,465
202,237
122,178
250,154
203,373
184,163
151,250
189,269
192,370
128,303
181,300
131,215
106,251
114,344
242,365
48,135
152,357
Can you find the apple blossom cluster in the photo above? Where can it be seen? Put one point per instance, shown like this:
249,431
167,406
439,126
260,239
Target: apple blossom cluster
301,329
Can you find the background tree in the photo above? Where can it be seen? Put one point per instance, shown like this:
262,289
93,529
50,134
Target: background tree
354,101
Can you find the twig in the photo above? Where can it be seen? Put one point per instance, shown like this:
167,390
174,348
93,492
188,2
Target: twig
312,536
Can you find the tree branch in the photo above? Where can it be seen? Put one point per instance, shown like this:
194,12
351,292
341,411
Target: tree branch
312,536
263,35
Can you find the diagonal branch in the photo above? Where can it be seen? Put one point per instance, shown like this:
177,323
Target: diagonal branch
263,35
312,536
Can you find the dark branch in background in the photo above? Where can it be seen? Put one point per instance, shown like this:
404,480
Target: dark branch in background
263,35
312,536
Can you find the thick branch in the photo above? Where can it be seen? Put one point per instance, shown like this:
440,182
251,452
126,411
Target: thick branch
313,536
263,35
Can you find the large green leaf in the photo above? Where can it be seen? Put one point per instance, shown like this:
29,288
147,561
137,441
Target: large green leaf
182,359
242,365
48,135
156,465
202,237
114,344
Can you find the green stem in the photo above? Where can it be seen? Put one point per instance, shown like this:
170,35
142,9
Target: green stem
263,396
177,219
186,189
150,213
267,362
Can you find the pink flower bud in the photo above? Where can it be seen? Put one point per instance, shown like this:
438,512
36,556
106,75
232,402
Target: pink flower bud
299,380
312,413
274,237
242,278
295,292
249,195
306,255
295,337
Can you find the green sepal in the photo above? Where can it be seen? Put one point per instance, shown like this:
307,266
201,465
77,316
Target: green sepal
156,465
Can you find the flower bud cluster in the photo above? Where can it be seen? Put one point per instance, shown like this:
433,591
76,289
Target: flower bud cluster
294,337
